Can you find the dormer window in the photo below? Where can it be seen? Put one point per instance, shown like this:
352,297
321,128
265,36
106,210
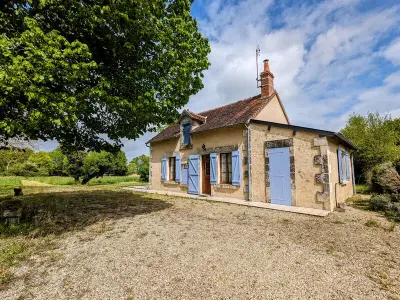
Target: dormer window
186,132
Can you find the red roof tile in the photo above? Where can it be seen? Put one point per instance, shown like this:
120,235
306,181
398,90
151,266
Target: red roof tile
239,112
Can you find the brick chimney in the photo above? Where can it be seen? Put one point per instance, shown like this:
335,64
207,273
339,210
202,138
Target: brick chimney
267,81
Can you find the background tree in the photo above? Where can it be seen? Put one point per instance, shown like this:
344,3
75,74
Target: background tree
84,166
43,161
88,73
140,165
60,163
377,140
9,156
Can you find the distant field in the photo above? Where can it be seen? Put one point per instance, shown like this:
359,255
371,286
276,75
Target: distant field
6,181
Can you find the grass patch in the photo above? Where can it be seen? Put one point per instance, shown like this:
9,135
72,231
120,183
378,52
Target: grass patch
7,181
113,180
372,223
11,254
54,180
364,189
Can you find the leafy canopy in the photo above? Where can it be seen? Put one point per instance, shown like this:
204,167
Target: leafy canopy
88,73
377,139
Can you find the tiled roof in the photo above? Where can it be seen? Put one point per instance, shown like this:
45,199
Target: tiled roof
239,112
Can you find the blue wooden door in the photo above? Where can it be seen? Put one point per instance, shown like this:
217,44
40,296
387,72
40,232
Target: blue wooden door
279,165
194,174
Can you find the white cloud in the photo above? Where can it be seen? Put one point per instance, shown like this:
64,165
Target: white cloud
392,52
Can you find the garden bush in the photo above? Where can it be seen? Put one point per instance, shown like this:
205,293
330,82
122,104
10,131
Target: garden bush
388,204
385,179
395,197
380,202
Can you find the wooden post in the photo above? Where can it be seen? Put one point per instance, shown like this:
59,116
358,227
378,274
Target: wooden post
18,191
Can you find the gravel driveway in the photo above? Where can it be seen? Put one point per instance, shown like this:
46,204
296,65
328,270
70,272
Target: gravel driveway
196,249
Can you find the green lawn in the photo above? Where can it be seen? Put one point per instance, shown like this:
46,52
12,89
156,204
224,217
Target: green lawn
6,181
363,189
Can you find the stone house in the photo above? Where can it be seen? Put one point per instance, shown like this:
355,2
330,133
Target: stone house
248,150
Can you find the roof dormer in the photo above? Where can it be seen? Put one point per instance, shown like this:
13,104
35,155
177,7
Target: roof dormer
188,122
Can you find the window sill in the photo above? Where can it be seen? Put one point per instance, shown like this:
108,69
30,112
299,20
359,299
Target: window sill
225,186
171,182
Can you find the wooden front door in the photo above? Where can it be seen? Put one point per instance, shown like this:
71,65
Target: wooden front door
206,175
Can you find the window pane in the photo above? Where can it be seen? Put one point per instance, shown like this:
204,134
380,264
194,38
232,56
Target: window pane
172,168
223,168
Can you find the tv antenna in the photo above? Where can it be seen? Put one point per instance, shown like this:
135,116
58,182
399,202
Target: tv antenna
257,55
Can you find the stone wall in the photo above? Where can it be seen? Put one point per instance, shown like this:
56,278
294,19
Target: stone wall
216,141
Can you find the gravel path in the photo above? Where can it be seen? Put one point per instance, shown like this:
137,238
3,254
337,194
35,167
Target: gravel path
203,250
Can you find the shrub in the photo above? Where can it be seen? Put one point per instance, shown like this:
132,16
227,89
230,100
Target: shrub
380,202
385,179
395,197
26,169
388,204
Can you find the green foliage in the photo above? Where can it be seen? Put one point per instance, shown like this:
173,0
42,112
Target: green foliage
140,165
388,204
10,156
377,140
77,71
385,179
43,161
83,166
380,202
363,189
60,163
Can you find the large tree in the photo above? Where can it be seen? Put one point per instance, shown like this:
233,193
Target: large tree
88,73
377,140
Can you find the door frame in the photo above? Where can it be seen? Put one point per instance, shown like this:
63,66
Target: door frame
206,180
280,144
280,180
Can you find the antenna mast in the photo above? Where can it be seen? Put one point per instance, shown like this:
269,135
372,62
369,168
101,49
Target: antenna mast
257,55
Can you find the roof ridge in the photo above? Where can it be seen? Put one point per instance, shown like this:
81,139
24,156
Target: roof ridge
246,99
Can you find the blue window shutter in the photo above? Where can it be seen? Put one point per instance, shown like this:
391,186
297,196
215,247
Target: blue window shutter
184,179
164,169
213,168
194,174
178,169
340,165
347,166
236,168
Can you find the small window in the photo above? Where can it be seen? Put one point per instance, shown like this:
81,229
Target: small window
186,133
172,169
226,167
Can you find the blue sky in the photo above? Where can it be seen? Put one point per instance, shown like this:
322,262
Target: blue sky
330,58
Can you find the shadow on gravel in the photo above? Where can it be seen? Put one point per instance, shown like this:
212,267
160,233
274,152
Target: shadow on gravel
56,213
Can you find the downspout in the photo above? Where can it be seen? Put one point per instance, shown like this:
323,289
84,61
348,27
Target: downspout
249,159
147,145
352,173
